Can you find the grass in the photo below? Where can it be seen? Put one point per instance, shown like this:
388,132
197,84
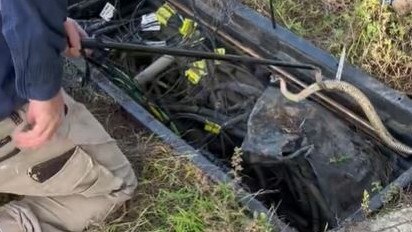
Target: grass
377,40
172,195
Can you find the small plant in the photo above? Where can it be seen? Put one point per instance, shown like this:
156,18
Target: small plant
186,221
237,160
260,223
391,194
365,202
339,159
376,187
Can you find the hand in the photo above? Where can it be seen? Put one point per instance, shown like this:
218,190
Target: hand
43,118
74,35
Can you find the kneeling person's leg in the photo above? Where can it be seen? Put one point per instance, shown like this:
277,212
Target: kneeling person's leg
75,179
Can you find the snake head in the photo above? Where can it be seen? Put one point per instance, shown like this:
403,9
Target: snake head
274,79
318,75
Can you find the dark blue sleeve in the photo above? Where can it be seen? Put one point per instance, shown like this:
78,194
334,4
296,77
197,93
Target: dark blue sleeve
34,31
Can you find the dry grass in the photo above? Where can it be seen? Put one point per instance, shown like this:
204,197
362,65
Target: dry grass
377,40
173,196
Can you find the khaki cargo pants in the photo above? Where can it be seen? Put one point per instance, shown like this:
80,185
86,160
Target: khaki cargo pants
77,179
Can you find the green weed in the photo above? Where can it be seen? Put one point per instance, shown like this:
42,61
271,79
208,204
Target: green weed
339,159
174,196
378,41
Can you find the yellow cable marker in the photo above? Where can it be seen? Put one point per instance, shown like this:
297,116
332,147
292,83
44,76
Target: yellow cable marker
212,127
193,76
220,51
188,28
164,13
196,72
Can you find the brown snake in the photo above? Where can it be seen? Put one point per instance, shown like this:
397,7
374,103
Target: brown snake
360,98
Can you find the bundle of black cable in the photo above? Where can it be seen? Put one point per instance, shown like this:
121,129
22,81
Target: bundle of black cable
317,166
86,9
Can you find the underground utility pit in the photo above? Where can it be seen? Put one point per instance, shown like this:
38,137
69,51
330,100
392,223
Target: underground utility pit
301,159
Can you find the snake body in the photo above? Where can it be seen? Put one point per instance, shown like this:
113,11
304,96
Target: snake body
360,98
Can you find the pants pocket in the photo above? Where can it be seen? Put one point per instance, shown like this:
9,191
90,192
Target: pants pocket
74,172
81,127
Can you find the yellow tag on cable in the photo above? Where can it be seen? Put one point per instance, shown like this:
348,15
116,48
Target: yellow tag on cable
188,28
200,65
212,127
193,76
164,13
196,72
220,51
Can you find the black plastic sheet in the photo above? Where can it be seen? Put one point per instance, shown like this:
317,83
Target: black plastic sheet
320,165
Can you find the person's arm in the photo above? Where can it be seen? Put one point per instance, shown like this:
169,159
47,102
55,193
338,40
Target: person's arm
34,31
